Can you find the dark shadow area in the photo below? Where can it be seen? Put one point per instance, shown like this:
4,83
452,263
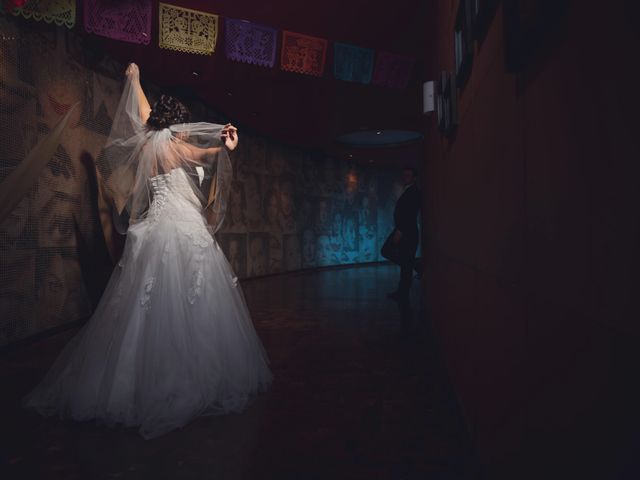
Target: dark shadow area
93,255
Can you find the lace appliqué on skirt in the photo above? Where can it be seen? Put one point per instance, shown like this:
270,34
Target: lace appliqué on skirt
146,293
196,286
199,237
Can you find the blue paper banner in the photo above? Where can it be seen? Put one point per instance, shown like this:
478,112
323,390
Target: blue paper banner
352,63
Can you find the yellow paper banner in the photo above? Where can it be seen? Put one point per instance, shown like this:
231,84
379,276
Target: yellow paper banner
187,30
60,12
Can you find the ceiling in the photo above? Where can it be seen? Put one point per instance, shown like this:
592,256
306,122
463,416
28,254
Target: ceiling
298,109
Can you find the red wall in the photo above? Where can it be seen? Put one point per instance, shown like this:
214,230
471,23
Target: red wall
533,241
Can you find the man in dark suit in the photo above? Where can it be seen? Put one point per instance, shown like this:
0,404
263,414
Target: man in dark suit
402,244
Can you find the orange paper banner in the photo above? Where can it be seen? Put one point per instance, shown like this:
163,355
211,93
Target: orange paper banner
303,53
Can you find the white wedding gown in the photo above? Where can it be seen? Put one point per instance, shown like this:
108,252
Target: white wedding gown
171,338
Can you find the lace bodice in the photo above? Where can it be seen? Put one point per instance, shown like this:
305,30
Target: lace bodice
175,181
173,186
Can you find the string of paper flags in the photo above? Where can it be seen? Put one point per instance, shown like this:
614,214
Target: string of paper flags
197,32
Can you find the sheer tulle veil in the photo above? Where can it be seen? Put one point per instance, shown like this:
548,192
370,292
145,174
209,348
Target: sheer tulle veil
134,153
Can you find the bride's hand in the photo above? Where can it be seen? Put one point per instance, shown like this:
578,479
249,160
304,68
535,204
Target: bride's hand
132,72
230,136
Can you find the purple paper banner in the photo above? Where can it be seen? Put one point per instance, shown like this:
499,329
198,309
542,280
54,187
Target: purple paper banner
393,70
129,21
250,43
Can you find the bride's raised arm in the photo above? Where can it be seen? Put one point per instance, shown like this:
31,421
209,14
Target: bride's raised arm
144,109
229,135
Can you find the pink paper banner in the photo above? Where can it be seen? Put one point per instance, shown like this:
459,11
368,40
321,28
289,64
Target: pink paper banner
126,20
393,70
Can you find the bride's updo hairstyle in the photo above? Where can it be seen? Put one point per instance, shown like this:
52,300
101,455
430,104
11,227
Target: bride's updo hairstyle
167,111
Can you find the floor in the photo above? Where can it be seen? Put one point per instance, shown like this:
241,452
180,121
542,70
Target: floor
360,392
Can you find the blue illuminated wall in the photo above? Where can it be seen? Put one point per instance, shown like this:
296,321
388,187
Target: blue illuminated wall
289,209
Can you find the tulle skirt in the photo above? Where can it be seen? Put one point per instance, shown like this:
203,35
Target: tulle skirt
171,338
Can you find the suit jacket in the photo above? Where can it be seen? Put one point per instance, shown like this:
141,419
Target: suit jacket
405,215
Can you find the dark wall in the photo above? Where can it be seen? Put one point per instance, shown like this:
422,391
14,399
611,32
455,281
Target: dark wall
533,236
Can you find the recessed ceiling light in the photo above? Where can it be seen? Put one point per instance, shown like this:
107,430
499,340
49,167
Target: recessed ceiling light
378,132
196,73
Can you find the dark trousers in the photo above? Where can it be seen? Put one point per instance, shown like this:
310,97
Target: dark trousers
403,254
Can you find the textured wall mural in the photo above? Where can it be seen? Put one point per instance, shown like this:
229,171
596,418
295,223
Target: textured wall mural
41,284
289,209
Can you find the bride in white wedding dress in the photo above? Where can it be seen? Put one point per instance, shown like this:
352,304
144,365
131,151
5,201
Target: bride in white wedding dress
171,338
